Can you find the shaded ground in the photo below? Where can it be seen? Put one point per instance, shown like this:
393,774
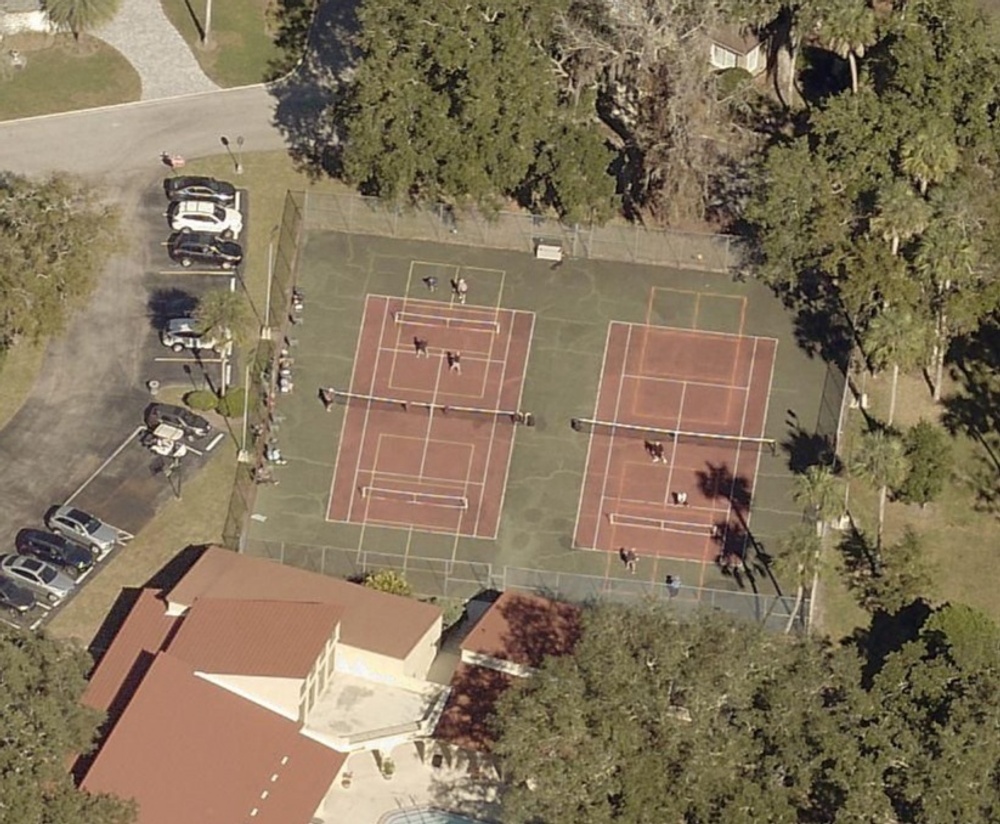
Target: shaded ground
574,304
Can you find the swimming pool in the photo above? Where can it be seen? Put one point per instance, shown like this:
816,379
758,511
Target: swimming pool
426,815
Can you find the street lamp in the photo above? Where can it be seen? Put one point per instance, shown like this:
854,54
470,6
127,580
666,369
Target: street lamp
239,147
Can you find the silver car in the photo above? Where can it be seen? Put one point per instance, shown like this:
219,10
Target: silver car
83,527
38,576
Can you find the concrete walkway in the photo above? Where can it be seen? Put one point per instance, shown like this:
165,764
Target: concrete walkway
144,36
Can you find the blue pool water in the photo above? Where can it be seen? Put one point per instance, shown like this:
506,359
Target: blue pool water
426,815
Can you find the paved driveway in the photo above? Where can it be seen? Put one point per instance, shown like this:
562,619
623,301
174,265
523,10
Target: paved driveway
91,392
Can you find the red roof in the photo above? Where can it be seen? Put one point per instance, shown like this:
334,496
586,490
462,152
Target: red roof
120,669
190,751
270,638
525,629
468,716
371,620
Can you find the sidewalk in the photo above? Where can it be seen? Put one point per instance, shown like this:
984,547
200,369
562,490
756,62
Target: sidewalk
144,36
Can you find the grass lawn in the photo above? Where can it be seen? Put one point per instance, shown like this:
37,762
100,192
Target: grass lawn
958,541
18,369
198,518
62,76
240,48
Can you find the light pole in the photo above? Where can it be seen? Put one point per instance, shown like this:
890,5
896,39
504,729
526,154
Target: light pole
265,332
239,145
208,22
239,154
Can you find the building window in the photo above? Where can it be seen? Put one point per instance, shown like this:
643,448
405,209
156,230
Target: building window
752,60
722,58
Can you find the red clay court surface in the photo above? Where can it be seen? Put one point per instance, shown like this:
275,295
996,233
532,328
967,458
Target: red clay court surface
413,468
685,380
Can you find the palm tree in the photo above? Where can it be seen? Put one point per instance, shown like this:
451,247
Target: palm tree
224,312
798,560
881,460
930,155
818,491
897,336
850,28
902,214
80,15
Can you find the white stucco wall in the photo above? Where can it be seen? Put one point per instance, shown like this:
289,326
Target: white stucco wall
15,22
280,695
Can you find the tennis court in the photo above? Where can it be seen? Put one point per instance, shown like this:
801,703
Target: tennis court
433,406
676,438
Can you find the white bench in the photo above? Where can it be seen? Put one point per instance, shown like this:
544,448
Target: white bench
549,251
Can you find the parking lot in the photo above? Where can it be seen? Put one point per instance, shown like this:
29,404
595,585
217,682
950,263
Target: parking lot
87,428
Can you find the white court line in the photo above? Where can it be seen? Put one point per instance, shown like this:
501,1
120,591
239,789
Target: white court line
611,440
739,450
477,357
497,405
108,460
590,439
673,449
430,414
347,412
710,384
406,476
368,409
520,398
760,452
698,332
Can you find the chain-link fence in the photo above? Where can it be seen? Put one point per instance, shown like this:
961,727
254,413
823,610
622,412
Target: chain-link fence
282,261
522,232
448,579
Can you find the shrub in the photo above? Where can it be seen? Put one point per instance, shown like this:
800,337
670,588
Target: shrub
388,580
730,81
928,449
202,400
232,404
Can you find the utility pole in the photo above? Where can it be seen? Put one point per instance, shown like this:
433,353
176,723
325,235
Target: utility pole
208,23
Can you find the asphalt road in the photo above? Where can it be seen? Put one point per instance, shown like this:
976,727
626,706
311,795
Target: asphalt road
91,392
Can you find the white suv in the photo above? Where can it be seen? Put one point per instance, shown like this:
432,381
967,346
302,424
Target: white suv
182,333
205,216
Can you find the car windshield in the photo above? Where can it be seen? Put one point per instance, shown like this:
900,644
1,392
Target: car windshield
220,213
46,573
88,522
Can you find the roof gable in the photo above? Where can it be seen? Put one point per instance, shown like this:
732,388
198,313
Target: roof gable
375,621
268,772
525,629
267,638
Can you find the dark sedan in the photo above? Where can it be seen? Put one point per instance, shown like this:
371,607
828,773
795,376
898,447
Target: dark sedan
188,187
58,550
192,425
15,598
205,249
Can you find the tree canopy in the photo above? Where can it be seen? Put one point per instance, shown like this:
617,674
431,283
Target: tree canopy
457,101
54,238
43,725
657,719
889,195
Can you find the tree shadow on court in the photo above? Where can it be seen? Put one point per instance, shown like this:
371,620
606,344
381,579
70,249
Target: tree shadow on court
821,329
805,449
718,481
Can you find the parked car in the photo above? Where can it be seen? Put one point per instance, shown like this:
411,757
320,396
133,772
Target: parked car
184,333
191,187
205,249
15,598
204,216
194,426
58,550
83,527
37,575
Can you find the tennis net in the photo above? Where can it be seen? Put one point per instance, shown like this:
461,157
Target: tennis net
654,434
409,496
425,319
344,397
663,524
